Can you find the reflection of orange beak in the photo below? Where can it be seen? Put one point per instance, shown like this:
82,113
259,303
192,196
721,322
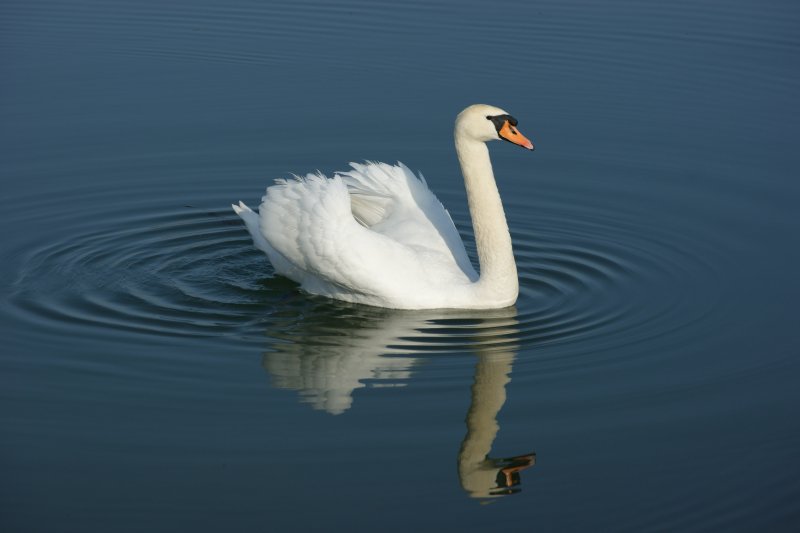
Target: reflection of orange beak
512,134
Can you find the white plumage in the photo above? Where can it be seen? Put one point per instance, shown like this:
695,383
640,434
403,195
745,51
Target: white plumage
377,235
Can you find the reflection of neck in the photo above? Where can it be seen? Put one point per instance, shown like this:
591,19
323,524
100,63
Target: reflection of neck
488,396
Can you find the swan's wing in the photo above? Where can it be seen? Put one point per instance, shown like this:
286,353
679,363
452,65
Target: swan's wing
391,200
311,231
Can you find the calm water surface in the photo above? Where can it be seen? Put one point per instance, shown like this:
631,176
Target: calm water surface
156,375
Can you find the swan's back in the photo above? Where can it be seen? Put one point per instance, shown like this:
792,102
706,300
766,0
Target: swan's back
374,234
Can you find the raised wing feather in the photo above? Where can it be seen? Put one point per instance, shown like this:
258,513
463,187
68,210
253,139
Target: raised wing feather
374,234
391,200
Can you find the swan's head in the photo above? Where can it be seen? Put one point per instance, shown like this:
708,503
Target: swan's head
488,123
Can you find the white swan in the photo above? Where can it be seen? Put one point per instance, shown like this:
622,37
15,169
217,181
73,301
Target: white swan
377,235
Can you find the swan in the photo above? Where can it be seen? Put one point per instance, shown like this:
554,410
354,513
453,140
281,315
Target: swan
377,235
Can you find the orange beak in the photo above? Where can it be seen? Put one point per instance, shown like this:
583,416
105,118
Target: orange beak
512,134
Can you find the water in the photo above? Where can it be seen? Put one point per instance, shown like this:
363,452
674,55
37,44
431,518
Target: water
156,374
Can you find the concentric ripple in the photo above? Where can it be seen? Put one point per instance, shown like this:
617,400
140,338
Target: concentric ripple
191,272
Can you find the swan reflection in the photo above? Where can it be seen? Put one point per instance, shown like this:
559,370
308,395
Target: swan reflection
327,355
481,475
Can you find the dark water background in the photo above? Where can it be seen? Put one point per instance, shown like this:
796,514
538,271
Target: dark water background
156,376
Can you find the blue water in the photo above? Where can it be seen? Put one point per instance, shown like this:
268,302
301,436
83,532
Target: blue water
156,375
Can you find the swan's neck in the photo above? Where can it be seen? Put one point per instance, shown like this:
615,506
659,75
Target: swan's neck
498,271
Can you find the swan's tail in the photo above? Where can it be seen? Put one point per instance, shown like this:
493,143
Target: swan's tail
241,208
251,220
